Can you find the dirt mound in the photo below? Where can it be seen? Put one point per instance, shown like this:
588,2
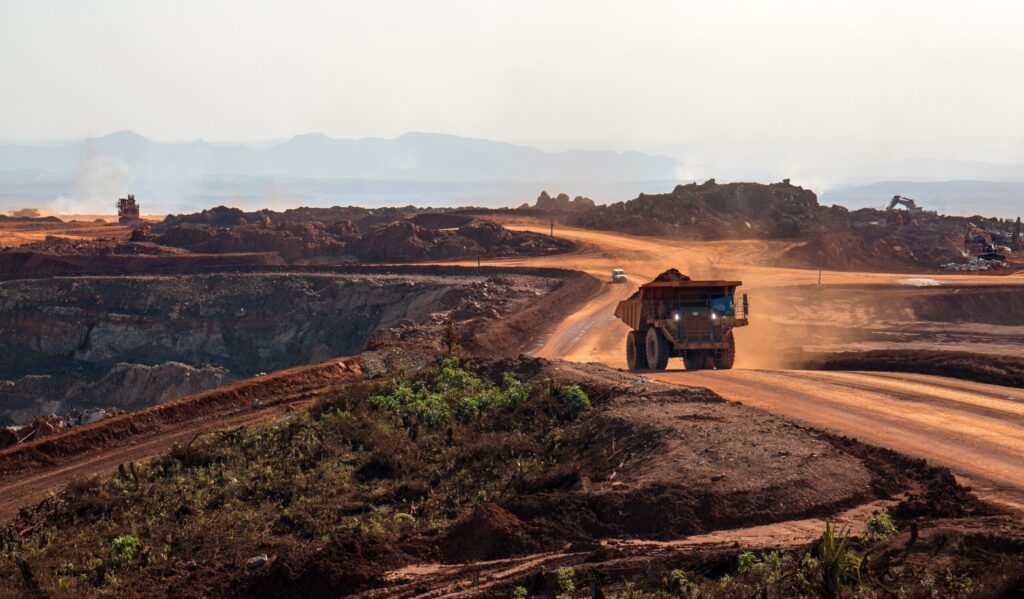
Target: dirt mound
671,275
404,240
222,216
712,211
343,567
488,532
870,248
291,241
980,556
387,241
440,220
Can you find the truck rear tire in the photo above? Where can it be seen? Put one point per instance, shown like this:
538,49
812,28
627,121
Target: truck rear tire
658,349
728,356
636,351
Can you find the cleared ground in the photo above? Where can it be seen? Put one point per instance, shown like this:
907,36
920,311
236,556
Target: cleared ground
974,429
14,233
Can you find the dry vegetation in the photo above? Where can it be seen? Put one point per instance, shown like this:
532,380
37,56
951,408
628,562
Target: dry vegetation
359,471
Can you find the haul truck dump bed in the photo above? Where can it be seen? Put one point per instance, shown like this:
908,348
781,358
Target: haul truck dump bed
674,316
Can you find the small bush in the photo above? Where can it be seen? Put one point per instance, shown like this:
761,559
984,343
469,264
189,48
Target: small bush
452,392
566,583
681,585
124,548
879,526
520,593
575,401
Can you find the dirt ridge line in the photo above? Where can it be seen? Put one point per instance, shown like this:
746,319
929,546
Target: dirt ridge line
269,389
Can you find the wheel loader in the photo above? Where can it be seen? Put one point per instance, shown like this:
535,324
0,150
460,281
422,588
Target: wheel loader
674,316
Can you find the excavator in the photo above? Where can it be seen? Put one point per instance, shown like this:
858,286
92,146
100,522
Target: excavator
989,251
907,203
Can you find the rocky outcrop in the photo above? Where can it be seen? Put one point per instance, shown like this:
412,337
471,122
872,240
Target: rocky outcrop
713,211
561,203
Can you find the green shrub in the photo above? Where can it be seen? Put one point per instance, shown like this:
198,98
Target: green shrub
124,548
879,526
575,401
566,583
520,593
451,392
681,585
745,561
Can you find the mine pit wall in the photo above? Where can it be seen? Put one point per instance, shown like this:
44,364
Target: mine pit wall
132,341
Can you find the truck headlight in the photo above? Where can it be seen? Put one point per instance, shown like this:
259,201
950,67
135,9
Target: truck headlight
676,315
714,316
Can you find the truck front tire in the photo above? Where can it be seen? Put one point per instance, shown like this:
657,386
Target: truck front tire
658,349
728,356
636,352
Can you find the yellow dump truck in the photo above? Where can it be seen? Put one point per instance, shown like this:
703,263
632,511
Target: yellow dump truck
674,316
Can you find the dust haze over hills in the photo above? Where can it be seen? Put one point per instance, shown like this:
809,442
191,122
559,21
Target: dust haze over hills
312,169
445,170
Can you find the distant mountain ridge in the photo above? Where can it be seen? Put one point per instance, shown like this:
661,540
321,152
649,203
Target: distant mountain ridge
428,157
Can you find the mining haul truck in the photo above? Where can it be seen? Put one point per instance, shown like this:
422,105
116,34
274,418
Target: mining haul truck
673,316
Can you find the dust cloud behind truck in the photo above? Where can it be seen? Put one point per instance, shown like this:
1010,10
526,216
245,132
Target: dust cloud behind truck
674,316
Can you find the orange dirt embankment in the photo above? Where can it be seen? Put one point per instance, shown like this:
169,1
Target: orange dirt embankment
281,386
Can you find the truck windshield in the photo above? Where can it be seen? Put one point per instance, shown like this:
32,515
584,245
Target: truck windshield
724,306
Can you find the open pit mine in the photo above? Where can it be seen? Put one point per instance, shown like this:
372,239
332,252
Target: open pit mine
720,391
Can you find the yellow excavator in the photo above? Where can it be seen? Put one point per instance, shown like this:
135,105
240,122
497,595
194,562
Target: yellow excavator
989,249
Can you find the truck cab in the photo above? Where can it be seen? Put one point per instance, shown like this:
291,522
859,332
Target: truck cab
618,275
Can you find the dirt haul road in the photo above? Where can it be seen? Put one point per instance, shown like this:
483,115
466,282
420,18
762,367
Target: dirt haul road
976,430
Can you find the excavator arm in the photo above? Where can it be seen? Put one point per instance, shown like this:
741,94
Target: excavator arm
907,203
973,230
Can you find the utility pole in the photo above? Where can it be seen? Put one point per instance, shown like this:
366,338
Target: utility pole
819,276
478,258
552,228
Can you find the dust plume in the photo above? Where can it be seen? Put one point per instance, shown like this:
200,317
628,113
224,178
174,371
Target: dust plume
101,180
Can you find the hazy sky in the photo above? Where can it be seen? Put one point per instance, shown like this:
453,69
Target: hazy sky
523,70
